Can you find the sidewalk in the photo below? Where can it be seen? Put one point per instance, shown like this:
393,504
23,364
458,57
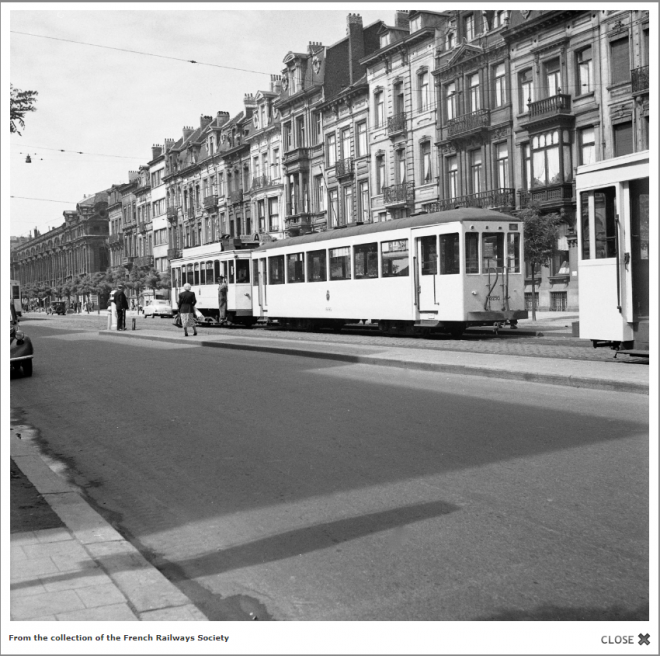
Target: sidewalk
72,565
613,375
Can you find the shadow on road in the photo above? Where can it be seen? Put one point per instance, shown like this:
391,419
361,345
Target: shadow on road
563,614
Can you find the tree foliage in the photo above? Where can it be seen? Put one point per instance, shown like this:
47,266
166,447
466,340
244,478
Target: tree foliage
22,102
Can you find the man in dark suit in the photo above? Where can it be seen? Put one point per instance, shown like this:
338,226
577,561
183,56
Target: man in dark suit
121,303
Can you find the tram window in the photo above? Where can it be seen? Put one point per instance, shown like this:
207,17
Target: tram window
429,255
471,252
394,258
365,261
190,279
196,278
202,273
604,224
209,273
513,252
316,266
340,263
584,225
492,250
449,254
176,276
295,264
255,271
243,271
230,276
276,270
216,270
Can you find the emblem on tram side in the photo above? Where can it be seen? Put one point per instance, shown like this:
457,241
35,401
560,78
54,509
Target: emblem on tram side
327,295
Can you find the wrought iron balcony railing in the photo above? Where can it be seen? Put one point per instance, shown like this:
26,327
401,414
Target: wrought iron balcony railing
559,104
144,261
400,194
344,167
640,79
173,253
553,195
117,238
396,124
210,201
468,123
260,181
483,199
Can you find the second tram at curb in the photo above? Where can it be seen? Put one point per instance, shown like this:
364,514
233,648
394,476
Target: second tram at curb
437,272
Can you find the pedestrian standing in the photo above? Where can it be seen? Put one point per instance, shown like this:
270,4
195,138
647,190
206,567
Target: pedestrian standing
121,303
187,302
222,300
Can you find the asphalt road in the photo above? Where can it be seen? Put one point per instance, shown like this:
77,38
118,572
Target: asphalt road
299,489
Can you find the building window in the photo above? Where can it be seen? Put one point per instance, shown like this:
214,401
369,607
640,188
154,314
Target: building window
450,40
423,90
380,173
500,85
526,90
318,193
425,158
331,147
273,214
379,109
333,206
558,302
502,157
452,176
585,71
476,170
345,143
300,131
552,77
468,27
286,137
587,139
318,131
275,166
475,101
261,215
364,202
623,139
361,138
347,204
620,61
546,167
450,100
400,166
398,98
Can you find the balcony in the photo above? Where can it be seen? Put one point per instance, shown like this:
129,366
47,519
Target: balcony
640,80
493,199
398,195
344,167
396,124
235,197
547,197
210,201
552,111
117,238
260,181
298,207
468,124
172,213
296,156
144,261
173,253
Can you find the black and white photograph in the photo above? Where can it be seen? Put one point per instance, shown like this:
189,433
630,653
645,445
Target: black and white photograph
389,290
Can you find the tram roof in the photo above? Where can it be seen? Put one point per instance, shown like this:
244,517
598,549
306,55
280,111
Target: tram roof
432,218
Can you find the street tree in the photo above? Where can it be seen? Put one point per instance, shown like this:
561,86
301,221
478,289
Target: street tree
540,239
21,102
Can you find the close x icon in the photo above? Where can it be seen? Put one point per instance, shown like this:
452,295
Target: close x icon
644,639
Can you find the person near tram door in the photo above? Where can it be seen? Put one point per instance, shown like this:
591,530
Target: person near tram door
222,300
187,302
121,303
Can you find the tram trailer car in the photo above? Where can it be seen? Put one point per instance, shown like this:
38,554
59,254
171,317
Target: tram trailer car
201,267
443,271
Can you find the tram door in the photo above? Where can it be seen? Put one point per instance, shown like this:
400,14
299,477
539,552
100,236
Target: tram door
261,282
426,273
639,228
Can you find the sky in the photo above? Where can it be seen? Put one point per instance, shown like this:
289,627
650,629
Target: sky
104,102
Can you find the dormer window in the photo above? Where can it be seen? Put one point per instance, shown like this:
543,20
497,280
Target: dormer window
468,27
385,39
415,24
450,40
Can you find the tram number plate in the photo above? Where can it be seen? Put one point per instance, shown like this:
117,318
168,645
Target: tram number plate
493,298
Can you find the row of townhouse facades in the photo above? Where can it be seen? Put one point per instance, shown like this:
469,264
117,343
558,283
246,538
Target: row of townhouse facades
437,110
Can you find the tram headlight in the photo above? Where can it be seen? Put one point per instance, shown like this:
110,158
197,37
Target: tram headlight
474,293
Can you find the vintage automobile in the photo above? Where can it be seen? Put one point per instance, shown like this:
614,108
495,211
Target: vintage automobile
58,307
21,351
158,308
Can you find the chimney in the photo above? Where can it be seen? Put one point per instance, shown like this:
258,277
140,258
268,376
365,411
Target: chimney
204,120
221,118
187,131
132,176
249,101
169,143
401,19
156,151
276,84
355,46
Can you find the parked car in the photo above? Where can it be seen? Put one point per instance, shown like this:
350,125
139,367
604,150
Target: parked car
21,351
58,307
158,308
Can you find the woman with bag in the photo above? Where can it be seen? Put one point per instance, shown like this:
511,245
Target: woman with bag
187,302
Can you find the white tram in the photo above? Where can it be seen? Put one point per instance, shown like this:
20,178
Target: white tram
613,243
442,271
201,267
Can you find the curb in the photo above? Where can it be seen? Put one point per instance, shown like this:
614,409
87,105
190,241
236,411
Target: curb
468,370
95,545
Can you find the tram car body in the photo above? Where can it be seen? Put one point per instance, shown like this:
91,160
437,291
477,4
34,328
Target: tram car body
442,271
201,267
613,247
